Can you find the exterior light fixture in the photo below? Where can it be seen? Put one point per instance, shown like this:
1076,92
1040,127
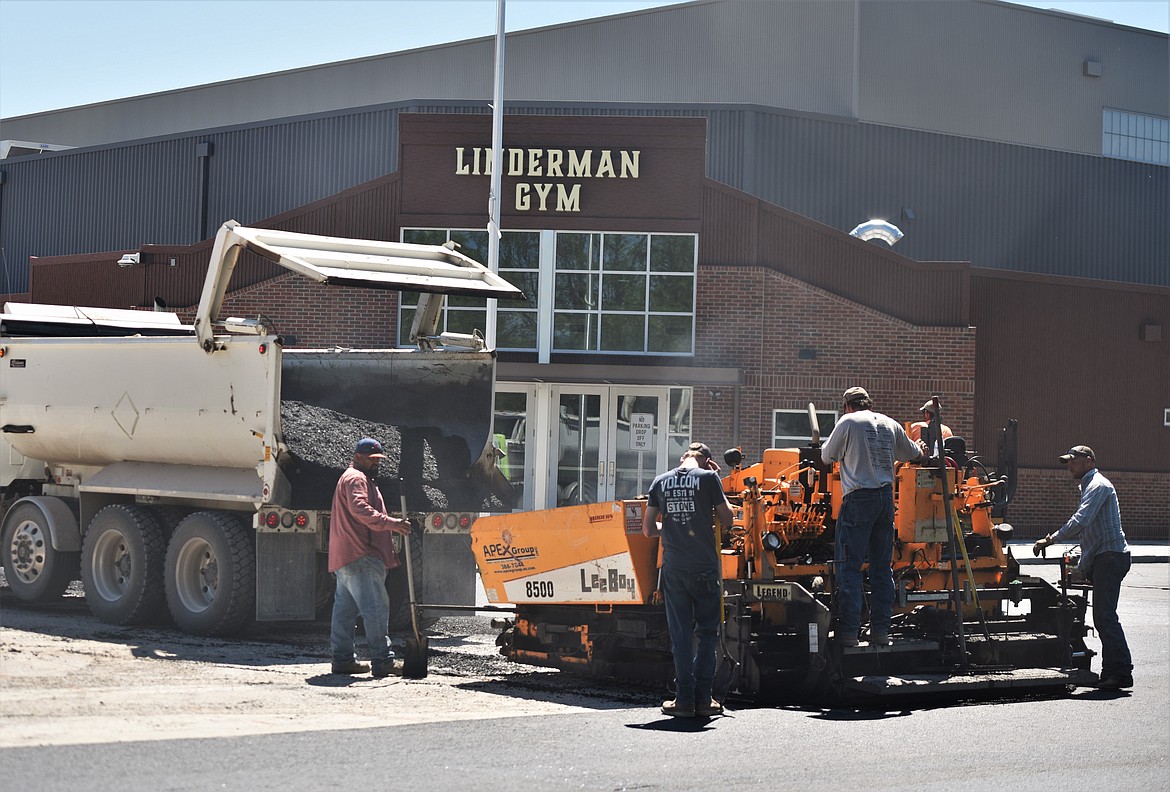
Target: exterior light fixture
878,229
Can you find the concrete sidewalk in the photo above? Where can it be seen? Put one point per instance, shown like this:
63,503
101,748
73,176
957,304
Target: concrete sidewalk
1142,552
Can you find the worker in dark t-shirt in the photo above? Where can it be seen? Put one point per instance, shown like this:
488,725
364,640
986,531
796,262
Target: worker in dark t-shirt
685,499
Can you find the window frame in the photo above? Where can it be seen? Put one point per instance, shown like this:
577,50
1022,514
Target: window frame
544,284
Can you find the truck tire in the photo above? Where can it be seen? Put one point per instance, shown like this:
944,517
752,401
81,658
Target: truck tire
122,565
211,574
169,518
34,570
397,589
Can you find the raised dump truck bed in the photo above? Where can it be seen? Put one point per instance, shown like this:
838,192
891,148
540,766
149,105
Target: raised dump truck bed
149,429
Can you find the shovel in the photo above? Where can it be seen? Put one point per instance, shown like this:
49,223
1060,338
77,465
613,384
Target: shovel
414,661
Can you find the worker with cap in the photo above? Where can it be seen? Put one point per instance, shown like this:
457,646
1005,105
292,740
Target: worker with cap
1105,560
866,444
923,430
361,549
686,498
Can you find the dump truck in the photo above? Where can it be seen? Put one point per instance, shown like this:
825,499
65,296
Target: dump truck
585,588
189,468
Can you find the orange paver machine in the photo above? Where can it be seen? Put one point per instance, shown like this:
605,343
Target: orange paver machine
584,584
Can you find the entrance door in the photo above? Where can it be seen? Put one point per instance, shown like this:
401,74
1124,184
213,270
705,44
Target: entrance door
608,442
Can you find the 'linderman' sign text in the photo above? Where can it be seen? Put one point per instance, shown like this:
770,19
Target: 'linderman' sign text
537,163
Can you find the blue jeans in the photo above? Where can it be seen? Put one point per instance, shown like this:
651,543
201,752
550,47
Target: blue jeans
692,610
865,529
361,589
1107,572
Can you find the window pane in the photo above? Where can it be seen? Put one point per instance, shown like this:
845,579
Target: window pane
463,301
405,320
466,321
519,250
516,329
626,252
673,253
669,334
791,427
578,251
527,282
623,293
680,410
672,293
473,244
575,332
424,236
577,292
623,333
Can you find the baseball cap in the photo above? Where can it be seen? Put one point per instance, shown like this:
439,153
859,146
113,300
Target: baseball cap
702,448
928,407
1076,451
370,447
855,394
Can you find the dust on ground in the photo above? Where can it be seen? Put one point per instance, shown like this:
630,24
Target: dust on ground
67,678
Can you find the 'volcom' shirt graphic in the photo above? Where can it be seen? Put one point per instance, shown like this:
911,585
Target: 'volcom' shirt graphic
686,497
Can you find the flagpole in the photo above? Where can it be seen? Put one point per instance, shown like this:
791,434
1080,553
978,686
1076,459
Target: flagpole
493,227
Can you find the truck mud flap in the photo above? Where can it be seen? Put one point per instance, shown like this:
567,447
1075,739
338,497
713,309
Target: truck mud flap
958,682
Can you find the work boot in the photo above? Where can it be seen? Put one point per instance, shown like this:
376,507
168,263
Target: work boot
383,668
1115,682
676,709
711,709
349,667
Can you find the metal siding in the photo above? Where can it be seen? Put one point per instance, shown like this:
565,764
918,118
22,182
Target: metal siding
995,205
787,54
741,230
81,202
1001,72
122,197
1067,361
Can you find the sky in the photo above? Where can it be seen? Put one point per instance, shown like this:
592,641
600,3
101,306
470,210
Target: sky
65,53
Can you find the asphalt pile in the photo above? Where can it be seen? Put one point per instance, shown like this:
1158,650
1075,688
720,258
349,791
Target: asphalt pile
320,445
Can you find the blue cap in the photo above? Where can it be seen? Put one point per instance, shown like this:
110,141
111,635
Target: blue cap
370,447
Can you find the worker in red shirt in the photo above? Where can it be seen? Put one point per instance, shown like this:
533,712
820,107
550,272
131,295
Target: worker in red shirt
924,430
361,550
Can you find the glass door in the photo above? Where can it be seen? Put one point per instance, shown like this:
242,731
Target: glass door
637,441
512,426
577,445
608,442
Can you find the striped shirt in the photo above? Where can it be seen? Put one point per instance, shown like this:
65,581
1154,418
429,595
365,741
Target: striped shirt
1097,521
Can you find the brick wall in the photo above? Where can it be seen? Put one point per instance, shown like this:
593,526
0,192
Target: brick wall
313,316
796,343
1045,499
761,321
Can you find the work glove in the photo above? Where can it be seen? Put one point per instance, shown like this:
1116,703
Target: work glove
1040,545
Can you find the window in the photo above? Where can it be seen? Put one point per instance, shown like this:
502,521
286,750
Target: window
790,428
610,293
624,293
519,265
1137,137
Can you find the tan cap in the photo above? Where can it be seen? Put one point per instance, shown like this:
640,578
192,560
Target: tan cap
1078,451
928,407
855,394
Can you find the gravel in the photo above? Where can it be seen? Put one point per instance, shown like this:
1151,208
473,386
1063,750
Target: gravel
320,446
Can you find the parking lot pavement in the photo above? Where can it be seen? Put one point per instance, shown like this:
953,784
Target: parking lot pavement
1141,552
